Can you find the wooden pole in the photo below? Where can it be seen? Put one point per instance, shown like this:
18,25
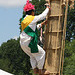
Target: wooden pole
53,35
64,33
58,33
63,5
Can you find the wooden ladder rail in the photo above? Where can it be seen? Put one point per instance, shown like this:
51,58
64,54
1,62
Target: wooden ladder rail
62,40
64,34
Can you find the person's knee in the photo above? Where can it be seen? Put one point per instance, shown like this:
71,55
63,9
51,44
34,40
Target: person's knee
31,58
44,52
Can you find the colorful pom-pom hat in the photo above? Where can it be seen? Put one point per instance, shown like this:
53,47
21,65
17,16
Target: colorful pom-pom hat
28,6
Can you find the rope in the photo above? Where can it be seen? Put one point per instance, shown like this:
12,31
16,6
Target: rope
41,37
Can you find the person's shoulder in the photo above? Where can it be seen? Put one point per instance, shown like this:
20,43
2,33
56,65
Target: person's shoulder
31,15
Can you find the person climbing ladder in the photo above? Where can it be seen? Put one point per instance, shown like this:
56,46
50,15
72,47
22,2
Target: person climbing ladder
29,37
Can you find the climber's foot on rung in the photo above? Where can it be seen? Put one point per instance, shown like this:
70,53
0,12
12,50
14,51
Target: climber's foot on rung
36,71
43,72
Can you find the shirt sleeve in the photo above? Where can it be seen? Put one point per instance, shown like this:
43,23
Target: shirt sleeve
42,16
38,26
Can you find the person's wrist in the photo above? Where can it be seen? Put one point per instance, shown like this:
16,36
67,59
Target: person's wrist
48,6
41,25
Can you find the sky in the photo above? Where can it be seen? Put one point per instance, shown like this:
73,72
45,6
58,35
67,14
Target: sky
10,13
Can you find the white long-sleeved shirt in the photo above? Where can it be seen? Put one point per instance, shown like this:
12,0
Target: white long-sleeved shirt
24,38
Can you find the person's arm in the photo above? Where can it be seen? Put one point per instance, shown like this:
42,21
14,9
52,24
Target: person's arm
42,16
40,25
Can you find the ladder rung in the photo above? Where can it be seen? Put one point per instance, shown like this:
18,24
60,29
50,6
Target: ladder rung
50,72
53,48
56,48
55,31
54,72
55,15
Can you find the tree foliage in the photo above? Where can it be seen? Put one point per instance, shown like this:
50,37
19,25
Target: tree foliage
69,65
13,59
70,34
